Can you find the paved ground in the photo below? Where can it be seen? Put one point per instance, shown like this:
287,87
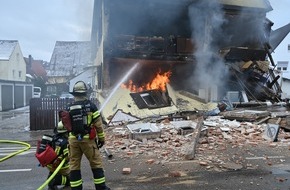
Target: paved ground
249,167
14,125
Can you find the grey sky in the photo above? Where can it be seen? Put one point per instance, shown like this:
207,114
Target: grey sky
38,24
280,15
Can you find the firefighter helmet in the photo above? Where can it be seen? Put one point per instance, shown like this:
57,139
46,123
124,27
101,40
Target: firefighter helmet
60,128
80,88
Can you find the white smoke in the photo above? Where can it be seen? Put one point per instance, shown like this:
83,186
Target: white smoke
206,19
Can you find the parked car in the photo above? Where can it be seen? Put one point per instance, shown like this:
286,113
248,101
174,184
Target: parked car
36,92
66,95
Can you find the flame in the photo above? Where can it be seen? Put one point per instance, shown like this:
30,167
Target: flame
158,83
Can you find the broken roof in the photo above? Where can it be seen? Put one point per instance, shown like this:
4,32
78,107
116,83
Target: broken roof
6,48
69,58
121,99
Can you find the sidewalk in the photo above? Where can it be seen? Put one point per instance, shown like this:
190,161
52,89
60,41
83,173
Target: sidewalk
15,125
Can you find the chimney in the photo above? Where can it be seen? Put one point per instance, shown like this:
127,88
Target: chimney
30,62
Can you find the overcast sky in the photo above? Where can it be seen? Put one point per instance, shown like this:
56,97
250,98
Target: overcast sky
38,24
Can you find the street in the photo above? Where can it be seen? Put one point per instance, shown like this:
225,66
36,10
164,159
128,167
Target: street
250,167
22,171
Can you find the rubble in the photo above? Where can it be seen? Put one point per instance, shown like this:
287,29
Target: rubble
208,142
126,171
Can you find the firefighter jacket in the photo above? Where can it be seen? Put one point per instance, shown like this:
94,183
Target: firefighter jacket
94,125
61,149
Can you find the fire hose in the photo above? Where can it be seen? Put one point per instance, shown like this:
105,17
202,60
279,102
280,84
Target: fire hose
17,152
108,153
52,175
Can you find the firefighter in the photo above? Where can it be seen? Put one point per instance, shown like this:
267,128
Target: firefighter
59,142
86,137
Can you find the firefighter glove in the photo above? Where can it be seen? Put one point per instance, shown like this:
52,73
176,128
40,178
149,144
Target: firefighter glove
56,163
101,143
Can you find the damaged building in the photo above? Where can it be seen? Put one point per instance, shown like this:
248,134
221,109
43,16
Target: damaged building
161,57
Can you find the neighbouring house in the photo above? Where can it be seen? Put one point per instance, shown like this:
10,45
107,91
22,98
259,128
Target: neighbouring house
69,59
12,65
36,72
88,76
285,84
14,90
283,69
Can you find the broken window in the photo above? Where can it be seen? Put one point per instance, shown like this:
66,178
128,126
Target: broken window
151,99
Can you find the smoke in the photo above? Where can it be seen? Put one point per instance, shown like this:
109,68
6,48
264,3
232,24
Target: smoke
146,18
206,20
82,18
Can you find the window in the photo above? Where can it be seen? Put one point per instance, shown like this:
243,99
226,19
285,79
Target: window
282,65
19,74
148,99
151,99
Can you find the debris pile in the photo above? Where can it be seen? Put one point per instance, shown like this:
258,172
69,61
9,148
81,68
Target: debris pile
218,139
170,145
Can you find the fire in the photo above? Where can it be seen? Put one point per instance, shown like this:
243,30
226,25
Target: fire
159,82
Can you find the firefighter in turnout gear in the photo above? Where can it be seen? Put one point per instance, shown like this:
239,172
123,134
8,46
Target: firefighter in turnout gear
59,143
86,137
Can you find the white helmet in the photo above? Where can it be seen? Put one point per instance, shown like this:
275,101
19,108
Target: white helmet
80,88
60,128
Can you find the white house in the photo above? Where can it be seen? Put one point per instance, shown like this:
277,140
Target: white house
283,67
12,63
15,92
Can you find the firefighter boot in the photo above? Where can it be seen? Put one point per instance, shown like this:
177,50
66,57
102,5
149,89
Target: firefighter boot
99,179
76,181
51,184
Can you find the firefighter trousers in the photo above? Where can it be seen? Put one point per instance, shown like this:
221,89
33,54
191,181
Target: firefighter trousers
89,148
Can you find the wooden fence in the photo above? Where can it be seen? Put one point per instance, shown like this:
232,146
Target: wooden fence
44,112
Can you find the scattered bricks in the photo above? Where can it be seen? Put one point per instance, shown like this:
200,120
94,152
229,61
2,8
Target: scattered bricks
201,149
164,153
126,171
160,140
117,143
166,121
203,141
210,148
176,144
166,139
272,145
173,132
210,139
248,131
253,143
281,179
150,161
218,131
203,163
132,146
174,174
130,153
284,136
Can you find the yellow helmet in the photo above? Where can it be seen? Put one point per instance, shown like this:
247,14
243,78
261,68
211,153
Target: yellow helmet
80,88
61,128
